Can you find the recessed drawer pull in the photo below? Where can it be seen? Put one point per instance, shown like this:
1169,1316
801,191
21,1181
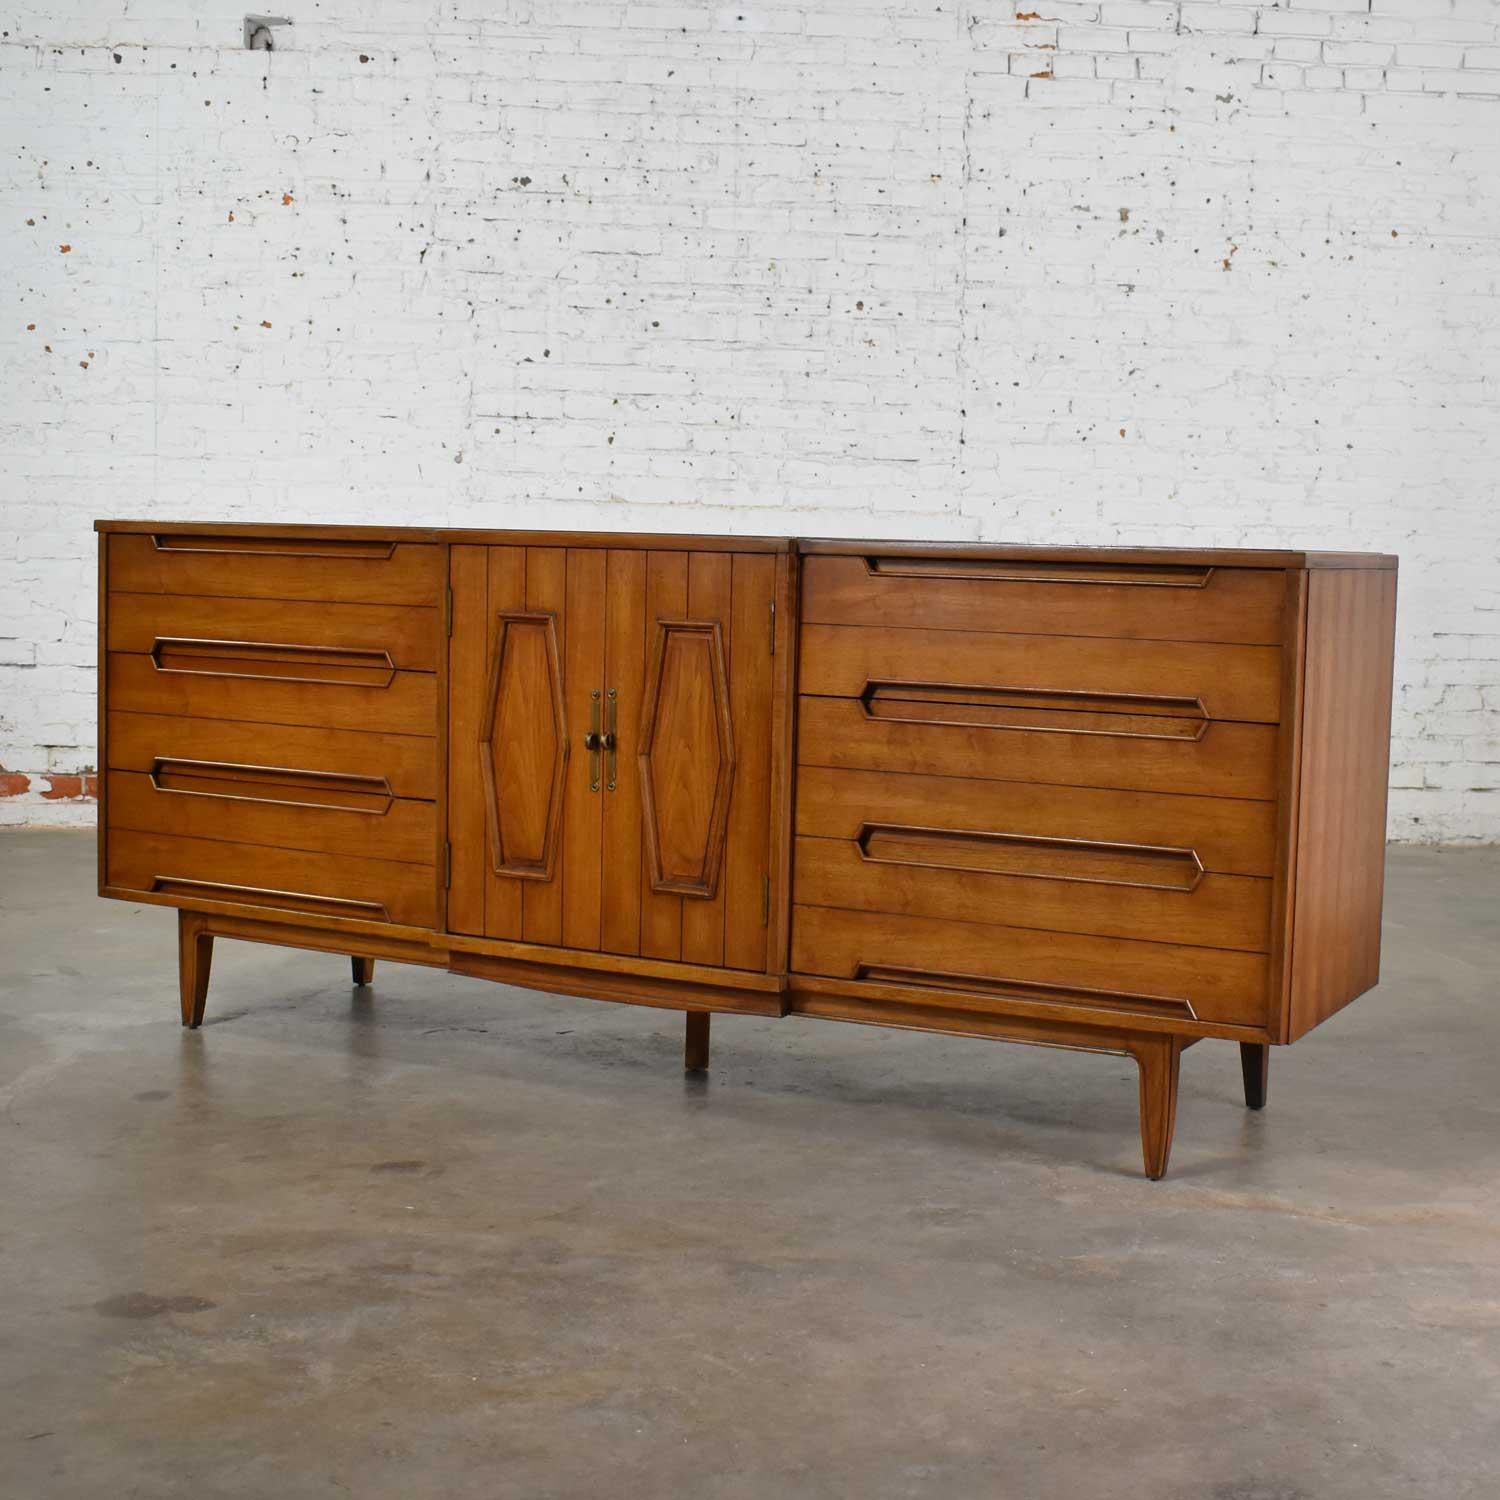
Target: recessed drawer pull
333,906
281,546
987,571
279,786
1144,866
345,666
1011,989
1127,715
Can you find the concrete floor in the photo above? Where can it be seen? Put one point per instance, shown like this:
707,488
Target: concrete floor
450,1239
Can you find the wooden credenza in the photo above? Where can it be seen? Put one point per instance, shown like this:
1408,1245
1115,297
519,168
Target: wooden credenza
1113,800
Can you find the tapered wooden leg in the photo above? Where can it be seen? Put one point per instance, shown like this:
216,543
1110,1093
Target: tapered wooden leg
364,970
195,952
1158,1058
695,1053
1255,1064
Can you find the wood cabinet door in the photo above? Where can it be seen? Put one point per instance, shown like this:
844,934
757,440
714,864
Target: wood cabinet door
525,663
687,843
656,841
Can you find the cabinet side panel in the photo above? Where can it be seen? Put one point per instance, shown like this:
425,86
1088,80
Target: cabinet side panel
102,731
1346,731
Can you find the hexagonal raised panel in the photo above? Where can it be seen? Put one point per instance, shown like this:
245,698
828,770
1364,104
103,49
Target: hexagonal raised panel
523,745
686,758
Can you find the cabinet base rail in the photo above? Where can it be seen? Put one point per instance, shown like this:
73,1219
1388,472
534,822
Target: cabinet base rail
1156,1053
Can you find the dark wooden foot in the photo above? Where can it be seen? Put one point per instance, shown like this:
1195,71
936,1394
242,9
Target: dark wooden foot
1158,1058
695,1053
364,970
195,952
1255,1064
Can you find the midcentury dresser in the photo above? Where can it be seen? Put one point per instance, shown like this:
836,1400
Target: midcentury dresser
1109,800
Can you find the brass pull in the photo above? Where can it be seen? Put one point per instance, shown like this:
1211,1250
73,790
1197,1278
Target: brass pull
611,742
592,742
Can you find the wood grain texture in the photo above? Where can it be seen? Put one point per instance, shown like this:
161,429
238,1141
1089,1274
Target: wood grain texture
1231,836
1229,605
408,763
1208,557
1222,911
1345,767
1230,760
547,593
666,599
401,830
411,574
468,676
407,705
1219,984
751,692
1232,682
395,892
407,634
583,808
625,672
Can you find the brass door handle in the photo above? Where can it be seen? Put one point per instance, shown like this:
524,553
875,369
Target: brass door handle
611,740
592,741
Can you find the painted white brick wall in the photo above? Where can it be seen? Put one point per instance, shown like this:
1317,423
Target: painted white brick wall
1123,271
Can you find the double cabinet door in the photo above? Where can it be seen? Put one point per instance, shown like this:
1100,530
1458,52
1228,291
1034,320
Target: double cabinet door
609,743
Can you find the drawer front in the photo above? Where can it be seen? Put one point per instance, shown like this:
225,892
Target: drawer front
406,763
959,669
362,637
1229,835
1167,603
1087,749
1158,895
218,684
984,966
323,570
320,812
298,880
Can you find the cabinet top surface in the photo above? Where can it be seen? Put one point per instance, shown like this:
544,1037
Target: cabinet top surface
1239,557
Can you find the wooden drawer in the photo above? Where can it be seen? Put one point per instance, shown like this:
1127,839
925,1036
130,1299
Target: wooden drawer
361,636
406,763
982,966
1229,835
317,811
1157,754
1031,674
1121,601
1157,895
332,885
217,684
325,570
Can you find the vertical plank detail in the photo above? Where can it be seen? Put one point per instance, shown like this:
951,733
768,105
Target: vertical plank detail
505,591
747,848
710,599
625,672
583,819
666,599
467,677
547,590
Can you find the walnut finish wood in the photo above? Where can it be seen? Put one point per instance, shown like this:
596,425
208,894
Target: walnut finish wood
1231,836
1229,605
1339,879
1219,911
695,1047
407,635
1255,1067
1231,682
1107,799
398,574
1219,984
195,953
1230,760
